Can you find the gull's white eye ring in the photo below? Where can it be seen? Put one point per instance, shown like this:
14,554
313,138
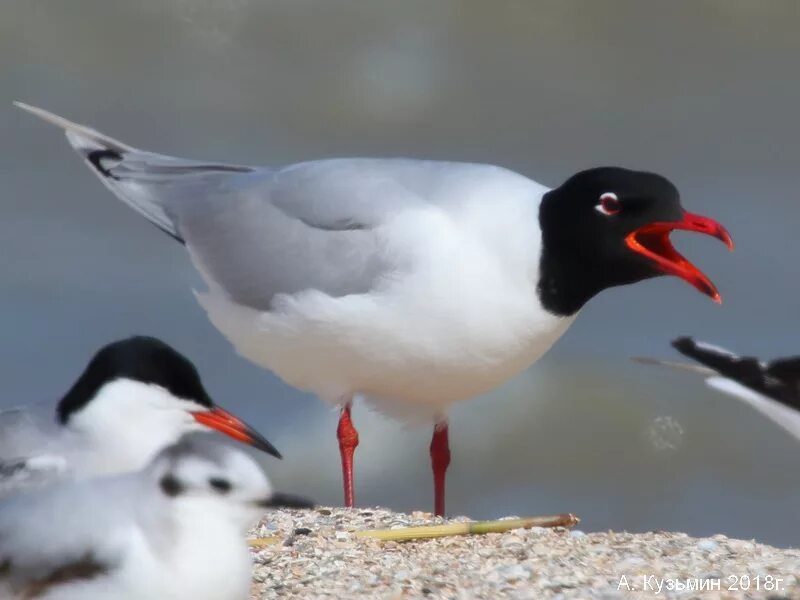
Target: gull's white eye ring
609,204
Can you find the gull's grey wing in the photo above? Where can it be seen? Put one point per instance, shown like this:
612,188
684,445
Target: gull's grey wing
317,225
258,232
67,531
309,226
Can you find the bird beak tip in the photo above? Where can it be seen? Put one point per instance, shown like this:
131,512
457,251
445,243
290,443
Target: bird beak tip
226,423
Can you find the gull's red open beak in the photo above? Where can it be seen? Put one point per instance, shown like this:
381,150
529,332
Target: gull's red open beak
652,241
221,420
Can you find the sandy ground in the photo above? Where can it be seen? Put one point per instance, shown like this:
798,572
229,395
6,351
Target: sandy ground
319,557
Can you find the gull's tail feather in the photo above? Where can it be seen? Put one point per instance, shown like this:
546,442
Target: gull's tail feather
152,184
82,138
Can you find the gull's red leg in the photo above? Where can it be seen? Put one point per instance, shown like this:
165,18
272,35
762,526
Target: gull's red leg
348,440
440,459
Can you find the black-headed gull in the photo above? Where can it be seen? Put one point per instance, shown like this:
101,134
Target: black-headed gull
135,397
772,388
411,283
173,530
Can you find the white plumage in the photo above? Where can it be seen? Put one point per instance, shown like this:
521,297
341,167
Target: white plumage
172,531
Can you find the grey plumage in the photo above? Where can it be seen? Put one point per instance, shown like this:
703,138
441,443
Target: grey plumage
303,227
259,232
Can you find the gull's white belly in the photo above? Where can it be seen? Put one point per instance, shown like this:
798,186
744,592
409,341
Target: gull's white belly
415,352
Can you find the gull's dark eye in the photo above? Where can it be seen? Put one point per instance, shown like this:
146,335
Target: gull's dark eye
223,486
609,204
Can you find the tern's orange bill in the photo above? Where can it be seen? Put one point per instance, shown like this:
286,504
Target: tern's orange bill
221,420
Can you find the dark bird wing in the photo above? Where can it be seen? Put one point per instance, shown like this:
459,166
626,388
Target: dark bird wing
769,387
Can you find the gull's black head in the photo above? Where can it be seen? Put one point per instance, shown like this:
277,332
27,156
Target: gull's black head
610,226
141,390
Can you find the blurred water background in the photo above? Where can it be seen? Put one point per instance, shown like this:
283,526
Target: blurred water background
705,92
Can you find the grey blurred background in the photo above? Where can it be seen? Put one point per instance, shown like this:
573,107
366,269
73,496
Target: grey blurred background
705,92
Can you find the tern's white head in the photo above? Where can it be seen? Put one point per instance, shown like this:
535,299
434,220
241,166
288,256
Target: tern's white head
137,396
207,475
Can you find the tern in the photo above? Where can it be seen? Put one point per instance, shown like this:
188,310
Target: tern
135,397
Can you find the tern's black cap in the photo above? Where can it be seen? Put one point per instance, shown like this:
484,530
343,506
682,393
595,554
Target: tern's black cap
138,358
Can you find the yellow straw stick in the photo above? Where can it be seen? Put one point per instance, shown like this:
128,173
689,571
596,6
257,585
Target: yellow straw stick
469,528
264,542
436,531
